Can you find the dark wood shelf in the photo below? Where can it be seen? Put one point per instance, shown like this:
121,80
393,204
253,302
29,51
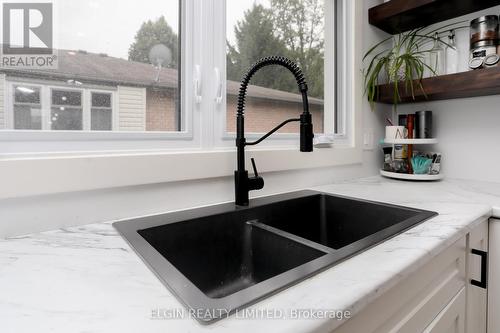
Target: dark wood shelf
398,16
481,82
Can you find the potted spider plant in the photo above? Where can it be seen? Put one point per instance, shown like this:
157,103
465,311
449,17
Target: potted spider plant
402,64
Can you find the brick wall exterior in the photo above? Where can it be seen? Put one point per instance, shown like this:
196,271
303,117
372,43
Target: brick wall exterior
160,110
261,115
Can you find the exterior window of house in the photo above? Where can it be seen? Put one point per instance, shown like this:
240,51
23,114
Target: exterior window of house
154,77
66,110
27,108
258,29
136,54
101,116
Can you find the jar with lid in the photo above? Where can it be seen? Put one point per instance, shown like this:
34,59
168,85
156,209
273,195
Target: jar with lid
483,38
484,28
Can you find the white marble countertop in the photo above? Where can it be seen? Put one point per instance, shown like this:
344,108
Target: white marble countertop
87,279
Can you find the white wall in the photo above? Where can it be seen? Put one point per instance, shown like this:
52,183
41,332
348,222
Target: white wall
469,136
468,129
39,213
32,214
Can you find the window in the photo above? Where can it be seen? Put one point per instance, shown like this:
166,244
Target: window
136,54
27,108
66,110
165,75
63,109
257,29
101,112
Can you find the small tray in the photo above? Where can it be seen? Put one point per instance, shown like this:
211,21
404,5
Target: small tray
411,141
405,176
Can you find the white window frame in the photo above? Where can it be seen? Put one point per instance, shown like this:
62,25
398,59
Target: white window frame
346,80
84,107
85,142
46,89
90,170
10,106
114,108
225,139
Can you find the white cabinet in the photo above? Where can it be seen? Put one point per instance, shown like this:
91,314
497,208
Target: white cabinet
451,319
438,298
494,277
477,298
414,304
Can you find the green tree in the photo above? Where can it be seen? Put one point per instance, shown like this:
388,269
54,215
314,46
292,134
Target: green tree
300,25
292,28
255,39
150,34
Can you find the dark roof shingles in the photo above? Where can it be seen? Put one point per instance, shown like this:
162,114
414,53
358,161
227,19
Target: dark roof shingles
83,66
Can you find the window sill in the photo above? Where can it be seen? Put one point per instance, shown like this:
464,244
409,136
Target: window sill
83,172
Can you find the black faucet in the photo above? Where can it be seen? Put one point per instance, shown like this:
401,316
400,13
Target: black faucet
243,183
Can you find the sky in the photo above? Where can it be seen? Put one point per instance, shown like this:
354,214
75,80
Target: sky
109,26
235,10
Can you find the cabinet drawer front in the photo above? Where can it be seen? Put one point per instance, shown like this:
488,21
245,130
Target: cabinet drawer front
451,319
412,305
494,277
477,297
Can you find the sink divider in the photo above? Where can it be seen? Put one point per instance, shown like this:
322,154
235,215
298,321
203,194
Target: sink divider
255,223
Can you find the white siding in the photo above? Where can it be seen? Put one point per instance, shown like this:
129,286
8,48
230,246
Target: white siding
3,91
131,109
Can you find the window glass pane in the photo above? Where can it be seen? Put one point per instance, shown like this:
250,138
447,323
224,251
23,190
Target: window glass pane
135,55
66,119
101,120
66,113
26,108
64,97
27,117
262,28
26,94
102,114
101,100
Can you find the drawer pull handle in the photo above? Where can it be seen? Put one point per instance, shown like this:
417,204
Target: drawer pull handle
484,269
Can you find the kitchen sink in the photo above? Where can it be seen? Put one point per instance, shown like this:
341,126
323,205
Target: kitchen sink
221,258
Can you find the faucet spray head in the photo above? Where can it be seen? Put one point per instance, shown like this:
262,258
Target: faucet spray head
306,133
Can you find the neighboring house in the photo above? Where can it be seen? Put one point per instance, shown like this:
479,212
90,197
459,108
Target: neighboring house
101,93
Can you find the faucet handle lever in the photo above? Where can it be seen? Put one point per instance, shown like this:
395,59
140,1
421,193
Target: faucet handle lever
254,167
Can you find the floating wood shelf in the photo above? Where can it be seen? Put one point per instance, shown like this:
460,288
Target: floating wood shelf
481,82
398,16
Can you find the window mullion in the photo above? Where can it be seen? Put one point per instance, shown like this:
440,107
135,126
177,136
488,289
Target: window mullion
46,113
86,109
219,53
209,62
330,107
191,49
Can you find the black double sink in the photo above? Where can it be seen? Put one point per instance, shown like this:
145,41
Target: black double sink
219,259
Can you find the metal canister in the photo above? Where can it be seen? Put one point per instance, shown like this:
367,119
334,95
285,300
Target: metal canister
484,28
423,125
484,36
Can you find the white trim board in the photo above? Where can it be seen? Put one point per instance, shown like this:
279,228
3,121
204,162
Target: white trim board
27,215
84,173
